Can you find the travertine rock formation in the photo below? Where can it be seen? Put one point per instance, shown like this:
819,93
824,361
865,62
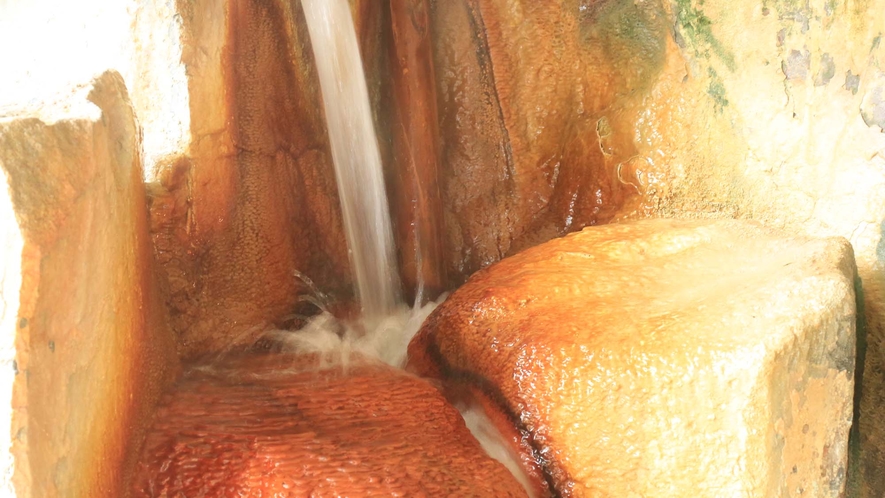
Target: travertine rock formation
253,200
272,425
765,110
662,358
550,116
524,90
93,347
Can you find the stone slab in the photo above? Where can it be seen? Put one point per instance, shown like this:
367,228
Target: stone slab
93,349
661,358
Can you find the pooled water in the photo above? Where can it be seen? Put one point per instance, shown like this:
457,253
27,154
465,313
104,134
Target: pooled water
355,153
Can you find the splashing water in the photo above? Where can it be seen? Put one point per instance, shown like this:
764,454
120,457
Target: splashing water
355,155
335,341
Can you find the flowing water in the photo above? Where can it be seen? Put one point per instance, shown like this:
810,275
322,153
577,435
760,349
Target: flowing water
356,156
387,324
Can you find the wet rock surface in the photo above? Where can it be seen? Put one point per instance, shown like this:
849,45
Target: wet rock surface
253,200
528,93
497,131
272,425
661,358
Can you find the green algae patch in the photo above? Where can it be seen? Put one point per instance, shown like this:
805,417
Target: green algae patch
695,30
632,35
716,90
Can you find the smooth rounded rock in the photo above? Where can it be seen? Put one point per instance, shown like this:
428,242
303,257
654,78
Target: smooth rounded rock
661,358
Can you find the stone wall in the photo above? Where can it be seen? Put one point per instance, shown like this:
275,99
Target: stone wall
93,347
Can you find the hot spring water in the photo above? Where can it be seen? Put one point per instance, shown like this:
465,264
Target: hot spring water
387,323
355,154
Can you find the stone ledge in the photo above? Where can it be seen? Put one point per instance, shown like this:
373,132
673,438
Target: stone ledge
662,358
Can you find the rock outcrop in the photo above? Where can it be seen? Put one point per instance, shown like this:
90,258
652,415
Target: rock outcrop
661,358
529,96
252,203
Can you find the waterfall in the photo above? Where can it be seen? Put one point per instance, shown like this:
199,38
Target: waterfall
355,154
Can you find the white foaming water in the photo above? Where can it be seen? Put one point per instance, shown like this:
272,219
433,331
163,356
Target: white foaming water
355,154
385,340
494,444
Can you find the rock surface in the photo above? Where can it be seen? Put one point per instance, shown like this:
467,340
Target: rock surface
272,425
253,201
93,347
525,88
662,358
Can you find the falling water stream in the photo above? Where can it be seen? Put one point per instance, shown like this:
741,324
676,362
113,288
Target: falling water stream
388,325
356,156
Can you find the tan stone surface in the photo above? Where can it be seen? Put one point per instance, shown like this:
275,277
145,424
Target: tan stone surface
93,345
11,245
768,111
662,358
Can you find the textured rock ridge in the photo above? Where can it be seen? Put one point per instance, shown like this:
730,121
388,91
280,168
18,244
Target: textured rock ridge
273,425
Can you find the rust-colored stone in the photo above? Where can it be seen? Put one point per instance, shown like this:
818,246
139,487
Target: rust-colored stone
526,145
661,358
529,93
258,201
271,425
414,130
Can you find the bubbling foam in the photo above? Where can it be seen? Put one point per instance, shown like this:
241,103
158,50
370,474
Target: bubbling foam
334,342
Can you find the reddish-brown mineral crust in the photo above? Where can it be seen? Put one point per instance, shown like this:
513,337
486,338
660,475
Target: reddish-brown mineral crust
256,200
414,130
529,97
271,425
499,130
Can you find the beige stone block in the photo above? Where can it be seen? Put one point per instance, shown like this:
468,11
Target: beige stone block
661,359
93,349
